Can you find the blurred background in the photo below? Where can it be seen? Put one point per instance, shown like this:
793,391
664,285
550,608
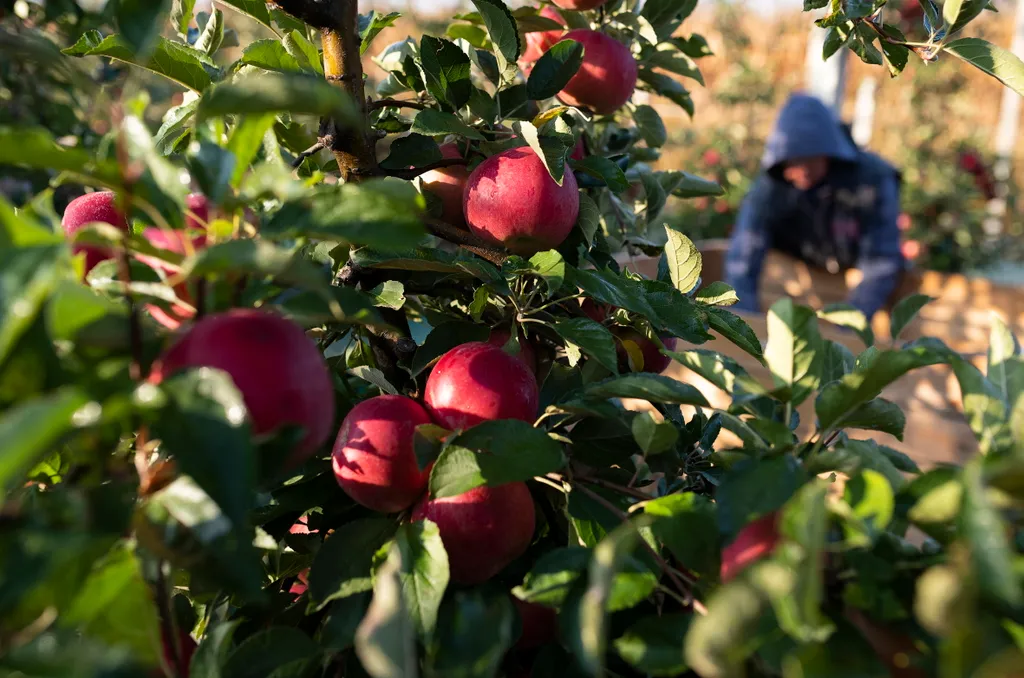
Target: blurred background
945,126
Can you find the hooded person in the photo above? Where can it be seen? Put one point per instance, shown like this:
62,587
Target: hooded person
823,200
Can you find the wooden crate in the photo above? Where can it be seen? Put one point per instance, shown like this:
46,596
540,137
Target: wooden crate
961,316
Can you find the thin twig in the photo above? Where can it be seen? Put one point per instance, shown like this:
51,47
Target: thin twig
168,624
614,486
662,563
312,150
413,172
394,103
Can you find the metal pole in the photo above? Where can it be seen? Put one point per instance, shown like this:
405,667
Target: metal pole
1005,141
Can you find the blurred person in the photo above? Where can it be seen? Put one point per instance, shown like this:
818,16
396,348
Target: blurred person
823,200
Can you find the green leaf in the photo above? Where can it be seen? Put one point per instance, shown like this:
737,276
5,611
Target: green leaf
654,388
204,426
551,267
720,370
650,126
210,39
446,72
213,651
670,58
432,122
444,338
840,398
590,639
295,93
980,526
413,150
114,604
870,495
852,456
685,185
473,635
589,220
504,34
550,149
719,642
905,311
423,572
554,70
494,453
951,11
754,488
592,338
652,436
267,650
736,330
140,22
984,407
389,294
614,290
341,567
432,260
794,350
181,15
717,294
270,55
668,87
1000,63
1005,367
255,9
177,125
686,524
245,141
386,638
878,415
845,315
381,213
180,63
652,645
605,170
667,15
28,275
684,260
377,23
31,430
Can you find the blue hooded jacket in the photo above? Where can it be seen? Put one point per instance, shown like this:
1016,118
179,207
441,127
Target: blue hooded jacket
848,220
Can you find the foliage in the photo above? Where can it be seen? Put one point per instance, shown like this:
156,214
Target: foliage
142,510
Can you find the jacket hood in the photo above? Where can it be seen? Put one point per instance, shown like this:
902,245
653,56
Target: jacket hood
805,128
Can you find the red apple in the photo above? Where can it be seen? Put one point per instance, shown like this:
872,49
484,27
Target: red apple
278,370
197,214
512,200
755,541
92,207
895,649
579,5
539,42
595,311
301,583
526,353
186,648
579,152
172,241
483,530
449,185
374,460
540,624
911,249
607,78
478,382
654,361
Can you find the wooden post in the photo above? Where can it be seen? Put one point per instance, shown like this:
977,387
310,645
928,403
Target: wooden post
1005,141
825,79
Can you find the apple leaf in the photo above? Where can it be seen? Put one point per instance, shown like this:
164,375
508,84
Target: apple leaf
878,415
652,387
654,437
717,294
423,572
432,122
385,640
736,330
794,350
1000,63
255,9
684,260
685,523
413,150
504,33
650,125
981,528
607,171
905,311
652,645
474,632
554,70
446,72
180,63
754,488
270,55
29,430
269,650
844,315
377,23
269,92
551,149
342,566
592,338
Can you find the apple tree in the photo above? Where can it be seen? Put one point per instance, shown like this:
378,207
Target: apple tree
332,379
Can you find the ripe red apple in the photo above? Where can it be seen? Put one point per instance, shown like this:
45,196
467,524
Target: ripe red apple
172,241
595,311
186,647
278,370
539,622
197,215
374,460
755,541
449,184
478,382
579,151
539,42
526,353
483,530
607,78
513,201
654,361
92,207
579,5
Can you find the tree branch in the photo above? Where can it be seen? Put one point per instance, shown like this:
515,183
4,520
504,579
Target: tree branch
312,150
394,103
412,173
467,241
